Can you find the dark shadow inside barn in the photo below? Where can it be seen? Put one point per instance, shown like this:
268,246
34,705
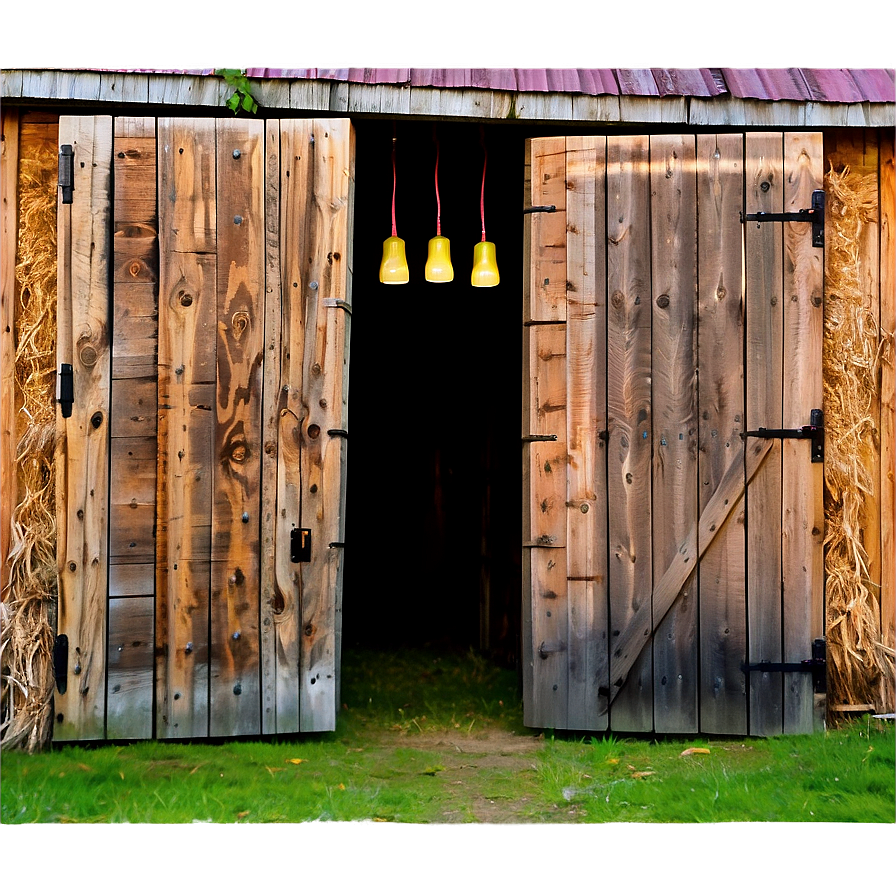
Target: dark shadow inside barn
434,483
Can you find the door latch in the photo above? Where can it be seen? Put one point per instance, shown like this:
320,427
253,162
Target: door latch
814,215
66,172
300,545
815,666
814,431
65,389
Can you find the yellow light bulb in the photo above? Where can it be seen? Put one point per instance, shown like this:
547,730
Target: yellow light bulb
438,261
394,266
485,265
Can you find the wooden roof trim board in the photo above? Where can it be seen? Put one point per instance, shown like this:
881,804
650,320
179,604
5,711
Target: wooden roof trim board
683,97
818,85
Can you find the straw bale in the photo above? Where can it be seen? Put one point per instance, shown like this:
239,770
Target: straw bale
27,621
860,667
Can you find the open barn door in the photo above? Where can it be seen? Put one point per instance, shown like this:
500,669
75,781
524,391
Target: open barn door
672,561
203,464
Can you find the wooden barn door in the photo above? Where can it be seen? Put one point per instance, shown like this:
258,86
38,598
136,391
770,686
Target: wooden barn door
203,466
665,551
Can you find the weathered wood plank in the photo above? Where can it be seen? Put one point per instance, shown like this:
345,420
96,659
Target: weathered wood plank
546,689
283,413
132,579
236,508
132,500
673,189
82,456
629,411
803,512
136,340
325,402
723,620
547,261
586,419
129,663
186,401
135,408
888,388
764,356
9,173
272,605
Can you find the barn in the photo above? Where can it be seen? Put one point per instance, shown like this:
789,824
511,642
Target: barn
646,456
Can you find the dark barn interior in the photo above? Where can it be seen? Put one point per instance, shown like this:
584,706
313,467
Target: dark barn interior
434,491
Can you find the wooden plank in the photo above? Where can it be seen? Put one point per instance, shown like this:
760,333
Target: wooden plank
277,163
545,696
803,510
547,261
586,418
888,388
186,399
638,631
673,197
131,579
132,500
82,455
723,611
134,446
325,399
763,263
629,412
129,663
9,173
289,200
235,675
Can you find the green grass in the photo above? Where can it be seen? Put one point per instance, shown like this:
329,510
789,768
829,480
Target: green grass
434,738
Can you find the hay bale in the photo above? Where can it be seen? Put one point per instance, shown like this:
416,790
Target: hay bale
860,666
27,623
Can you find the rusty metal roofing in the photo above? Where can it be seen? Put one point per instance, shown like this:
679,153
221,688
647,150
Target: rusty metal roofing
795,84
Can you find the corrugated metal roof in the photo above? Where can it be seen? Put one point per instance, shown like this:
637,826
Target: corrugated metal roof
797,84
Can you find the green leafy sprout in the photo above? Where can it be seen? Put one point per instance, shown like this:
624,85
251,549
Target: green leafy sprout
241,98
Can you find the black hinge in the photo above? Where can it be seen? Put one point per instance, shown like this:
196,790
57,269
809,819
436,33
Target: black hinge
300,545
539,208
65,388
815,215
815,666
814,431
66,172
60,663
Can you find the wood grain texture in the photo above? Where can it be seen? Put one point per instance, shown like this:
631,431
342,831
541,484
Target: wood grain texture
325,403
586,418
673,189
9,172
129,678
723,612
234,683
82,455
803,511
629,411
186,401
764,358
888,389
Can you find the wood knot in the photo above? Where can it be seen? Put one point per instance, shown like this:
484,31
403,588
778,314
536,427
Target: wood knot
663,301
313,431
185,299
239,322
88,355
618,299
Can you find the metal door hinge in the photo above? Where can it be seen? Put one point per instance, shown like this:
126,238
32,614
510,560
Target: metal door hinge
65,388
815,666
814,215
66,172
60,663
539,208
300,545
814,431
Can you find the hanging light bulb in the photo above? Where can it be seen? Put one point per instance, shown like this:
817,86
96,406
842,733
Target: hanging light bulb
438,261
485,265
394,266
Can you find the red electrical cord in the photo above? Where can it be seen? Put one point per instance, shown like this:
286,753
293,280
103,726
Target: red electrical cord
438,201
482,194
394,181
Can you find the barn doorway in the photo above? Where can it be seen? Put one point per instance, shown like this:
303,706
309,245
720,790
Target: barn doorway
434,486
